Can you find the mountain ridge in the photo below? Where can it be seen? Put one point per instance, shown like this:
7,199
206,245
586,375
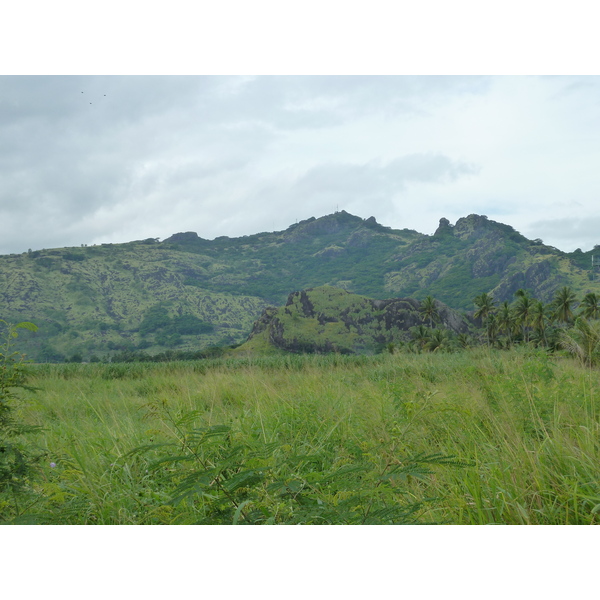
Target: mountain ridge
92,300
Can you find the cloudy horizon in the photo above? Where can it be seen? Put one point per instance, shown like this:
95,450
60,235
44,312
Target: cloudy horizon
110,159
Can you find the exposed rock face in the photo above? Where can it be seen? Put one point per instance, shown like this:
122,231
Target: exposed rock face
330,252
403,313
538,276
471,227
485,258
360,239
263,321
444,227
307,305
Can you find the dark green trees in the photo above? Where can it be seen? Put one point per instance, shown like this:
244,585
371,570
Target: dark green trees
523,311
526,319
506,321
583,341
590,306
485,307
169,330
539,319
563,305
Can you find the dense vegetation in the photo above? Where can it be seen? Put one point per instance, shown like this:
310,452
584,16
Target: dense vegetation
187,294
329,319
338,409
473,437
431,431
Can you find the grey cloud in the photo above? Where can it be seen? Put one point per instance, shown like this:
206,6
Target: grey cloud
430,168
62,160
571,86
232,155
362,189
318,101
574,232
381,179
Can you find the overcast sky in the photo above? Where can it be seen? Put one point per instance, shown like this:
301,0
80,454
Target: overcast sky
97,159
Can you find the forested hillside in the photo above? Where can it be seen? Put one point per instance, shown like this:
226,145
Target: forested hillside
188,293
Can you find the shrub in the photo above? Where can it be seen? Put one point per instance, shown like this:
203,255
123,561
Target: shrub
16,458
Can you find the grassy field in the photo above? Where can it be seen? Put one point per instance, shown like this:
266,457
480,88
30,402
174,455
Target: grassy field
474,437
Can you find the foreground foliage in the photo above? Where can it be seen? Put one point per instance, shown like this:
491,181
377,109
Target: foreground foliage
479,436
17,458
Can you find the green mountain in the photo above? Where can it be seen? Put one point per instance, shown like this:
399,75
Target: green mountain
188,293
328,319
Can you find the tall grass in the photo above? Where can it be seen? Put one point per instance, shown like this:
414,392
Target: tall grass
341,436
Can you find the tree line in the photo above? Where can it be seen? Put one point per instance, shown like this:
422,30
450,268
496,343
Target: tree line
564,323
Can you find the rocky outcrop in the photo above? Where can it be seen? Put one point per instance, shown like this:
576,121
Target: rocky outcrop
444,228
360,239
540,277
263,321
307,305
329,319
330,252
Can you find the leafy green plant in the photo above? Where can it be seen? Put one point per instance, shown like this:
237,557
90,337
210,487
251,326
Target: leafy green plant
439,341
225,477
583,341
563,304
16,458
590,306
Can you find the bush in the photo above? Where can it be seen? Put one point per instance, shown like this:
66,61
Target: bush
190,325
16,458
156,318
223,478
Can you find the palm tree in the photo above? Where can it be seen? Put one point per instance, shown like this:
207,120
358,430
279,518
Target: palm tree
464,340
538,319
523,313
429,310
583,341
492,328
485,306
506,320
420,335
438,341
562,303
591,306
